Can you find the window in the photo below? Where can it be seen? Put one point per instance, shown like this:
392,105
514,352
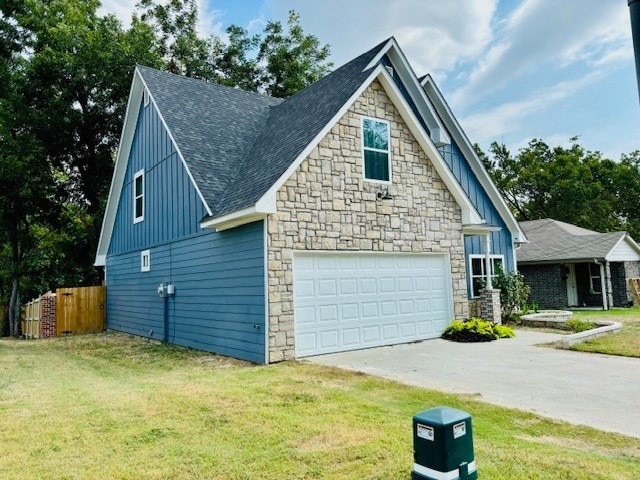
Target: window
138,197
478,277
145,98
145,261
375,147
595,281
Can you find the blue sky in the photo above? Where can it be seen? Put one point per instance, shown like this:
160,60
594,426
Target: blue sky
511,70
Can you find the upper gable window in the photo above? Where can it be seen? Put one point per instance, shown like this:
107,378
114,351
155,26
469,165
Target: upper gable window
375,148
138,197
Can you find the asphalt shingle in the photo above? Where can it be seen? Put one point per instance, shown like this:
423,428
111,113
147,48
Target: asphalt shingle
552,240
238,144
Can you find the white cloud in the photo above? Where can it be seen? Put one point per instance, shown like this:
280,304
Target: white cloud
546,35
508,117
435,35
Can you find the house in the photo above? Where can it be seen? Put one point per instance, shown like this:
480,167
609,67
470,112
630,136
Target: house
350,215
569,266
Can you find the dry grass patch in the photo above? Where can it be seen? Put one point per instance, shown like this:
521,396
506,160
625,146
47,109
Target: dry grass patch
115,407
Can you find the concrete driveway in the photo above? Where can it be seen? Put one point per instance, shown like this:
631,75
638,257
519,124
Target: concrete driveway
600,391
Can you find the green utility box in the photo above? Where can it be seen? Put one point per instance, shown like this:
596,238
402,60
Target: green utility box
443,445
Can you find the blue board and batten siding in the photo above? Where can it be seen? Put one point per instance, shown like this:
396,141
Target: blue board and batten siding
219,301
501,241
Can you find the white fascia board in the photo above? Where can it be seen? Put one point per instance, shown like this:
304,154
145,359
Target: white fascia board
138,88
614,256
401,65
120,168
470,215
235,219
450,121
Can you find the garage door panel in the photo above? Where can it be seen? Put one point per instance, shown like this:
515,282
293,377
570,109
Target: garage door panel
371,335
306,315
350,311
327,288
350,301
329,339
390,332
370,310
368,286
408,330
388,308
328,313
348,286
387,285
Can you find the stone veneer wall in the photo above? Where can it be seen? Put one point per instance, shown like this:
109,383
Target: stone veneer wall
327,206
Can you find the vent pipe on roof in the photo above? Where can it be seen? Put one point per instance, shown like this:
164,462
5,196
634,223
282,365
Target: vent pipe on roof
634,11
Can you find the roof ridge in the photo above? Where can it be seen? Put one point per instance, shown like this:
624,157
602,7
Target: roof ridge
209,83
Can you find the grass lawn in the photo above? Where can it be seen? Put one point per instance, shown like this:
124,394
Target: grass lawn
113,407
625,342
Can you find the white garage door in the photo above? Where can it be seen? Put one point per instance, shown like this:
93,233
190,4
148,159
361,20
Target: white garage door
350,301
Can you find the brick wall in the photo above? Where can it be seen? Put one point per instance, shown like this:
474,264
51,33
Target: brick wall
48,316
619,284
326,205
490,306
548,285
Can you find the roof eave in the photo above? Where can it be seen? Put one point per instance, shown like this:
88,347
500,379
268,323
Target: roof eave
254,213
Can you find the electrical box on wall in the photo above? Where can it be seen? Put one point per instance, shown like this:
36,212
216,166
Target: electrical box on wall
171,290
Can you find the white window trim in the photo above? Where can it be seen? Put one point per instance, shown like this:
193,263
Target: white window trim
138,174
145,266
593,291
482,257
388,152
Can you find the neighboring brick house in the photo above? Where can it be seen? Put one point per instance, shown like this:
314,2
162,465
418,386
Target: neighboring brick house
352,214
569,266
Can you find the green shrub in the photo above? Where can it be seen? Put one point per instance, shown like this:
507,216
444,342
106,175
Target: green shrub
475,330
503,331
513,293
577,326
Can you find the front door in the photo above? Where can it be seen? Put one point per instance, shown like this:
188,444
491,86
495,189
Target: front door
572,289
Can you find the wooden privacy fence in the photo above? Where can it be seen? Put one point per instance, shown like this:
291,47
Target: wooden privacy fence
68,311
634,285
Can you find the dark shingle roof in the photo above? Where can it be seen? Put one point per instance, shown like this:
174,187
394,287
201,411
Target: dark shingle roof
552,240
214,126
238,144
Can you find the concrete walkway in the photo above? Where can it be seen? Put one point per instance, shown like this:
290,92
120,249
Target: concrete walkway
600,391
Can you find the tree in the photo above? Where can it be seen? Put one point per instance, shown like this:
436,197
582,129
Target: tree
26,190
65,74
280,62
568,184
293,60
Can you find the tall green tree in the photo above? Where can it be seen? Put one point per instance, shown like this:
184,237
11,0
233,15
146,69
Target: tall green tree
568,184
65,74
293,59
